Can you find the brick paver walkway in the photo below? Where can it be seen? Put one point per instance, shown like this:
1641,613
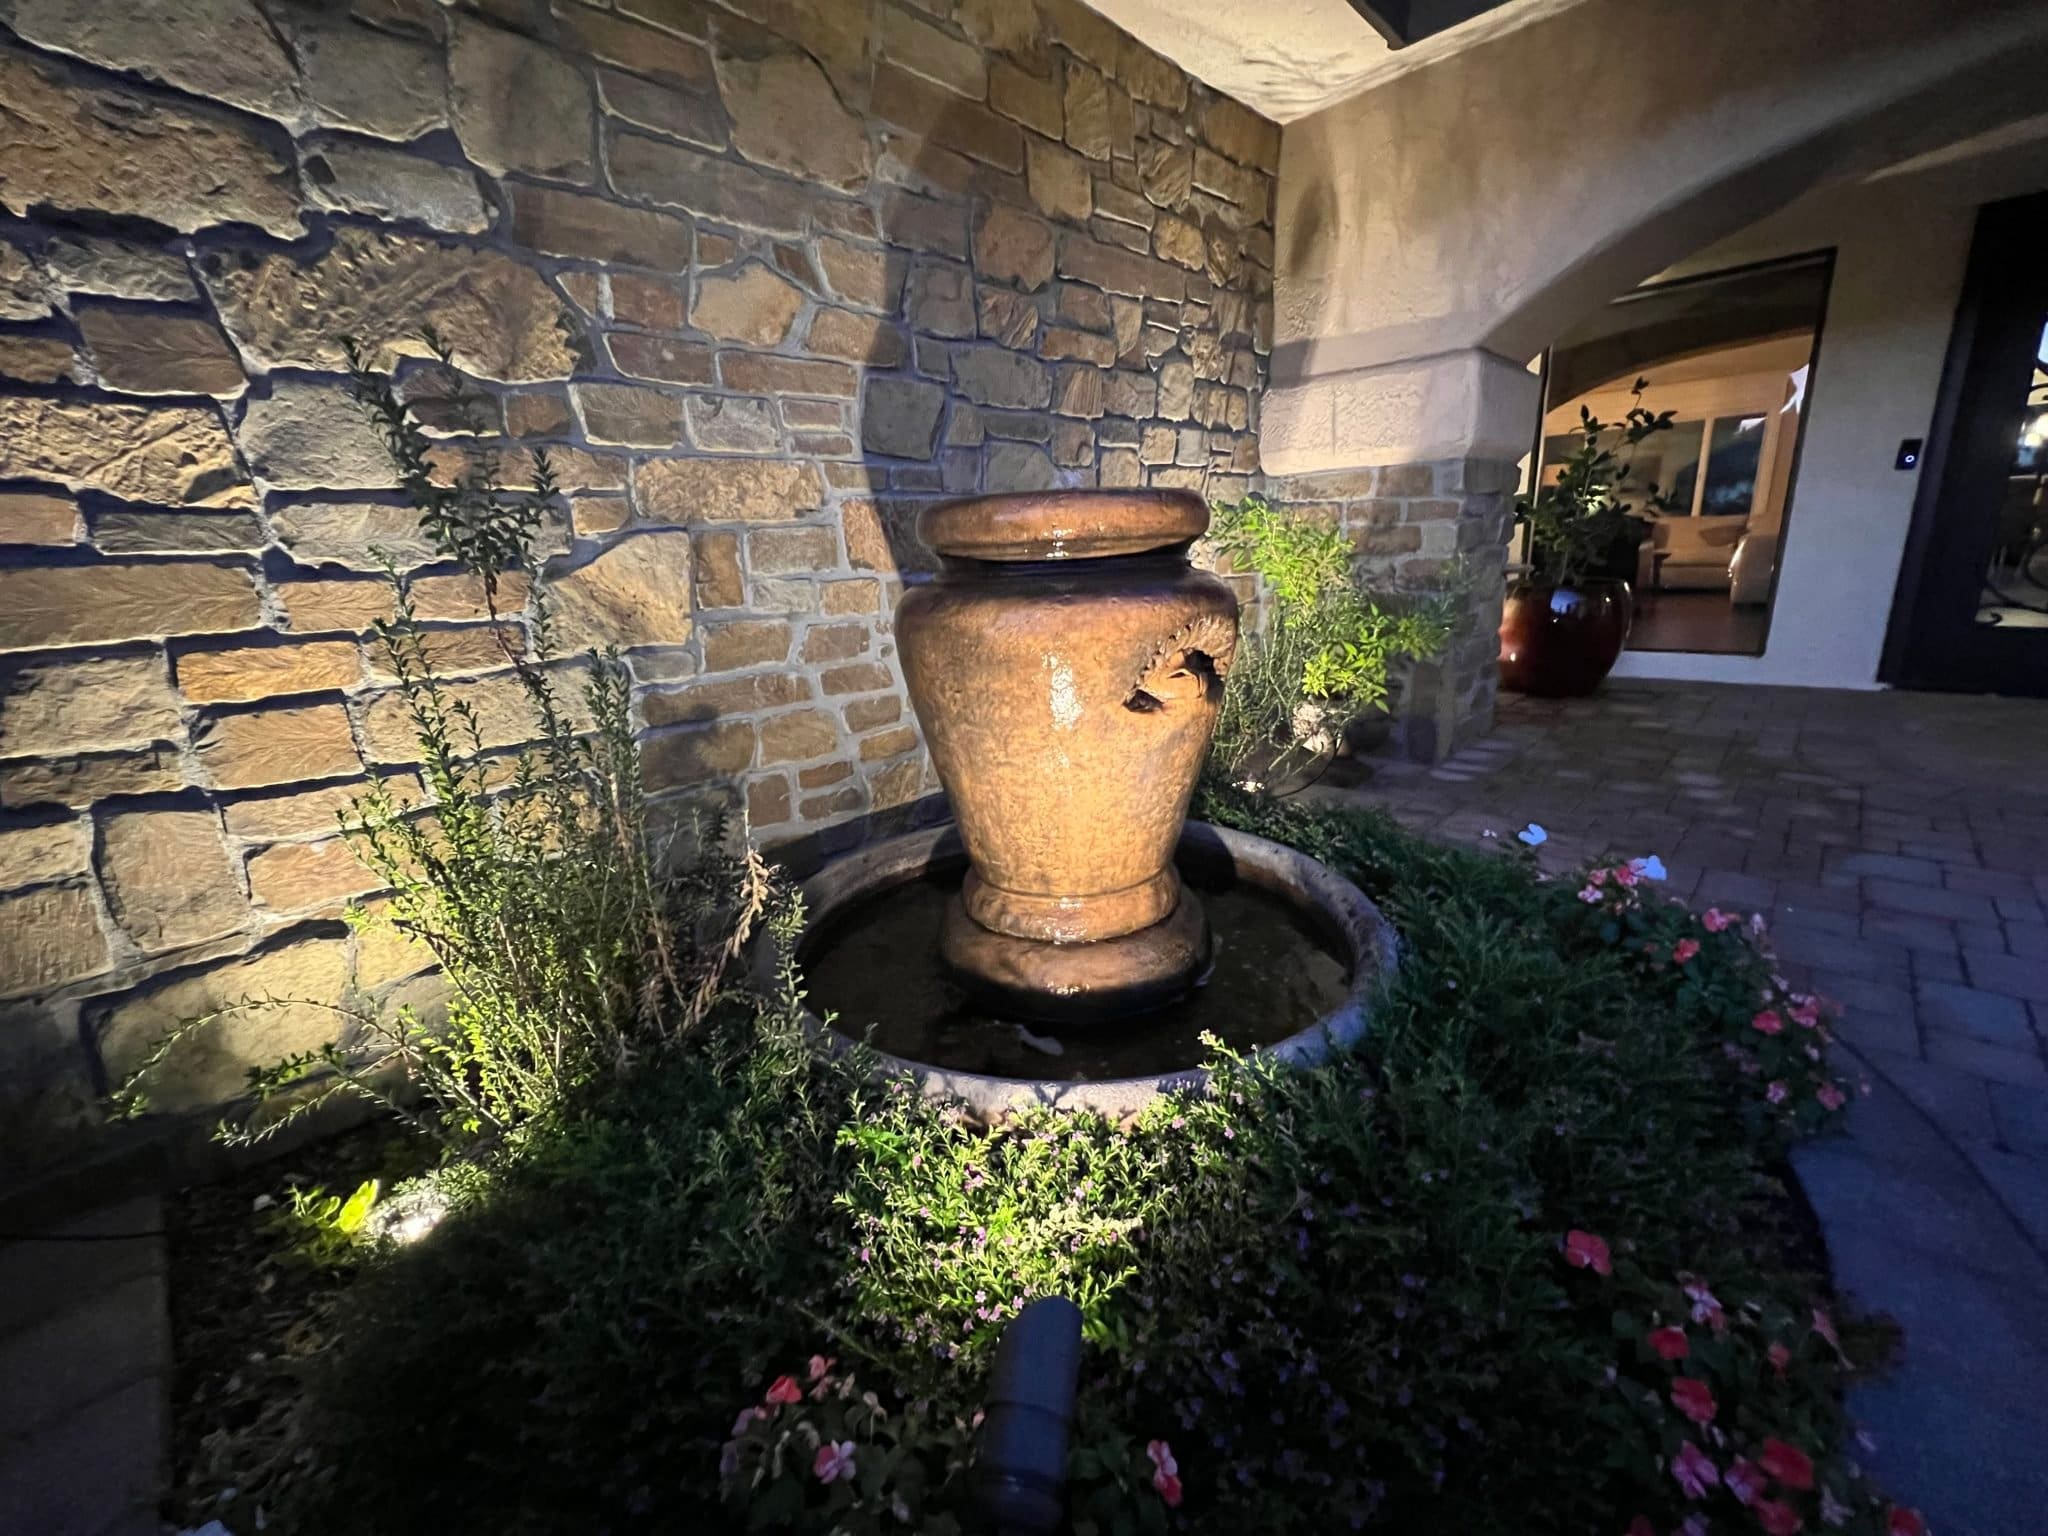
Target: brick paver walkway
84,1368
1899,845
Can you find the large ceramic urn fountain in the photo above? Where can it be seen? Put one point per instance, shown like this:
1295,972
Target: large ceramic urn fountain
1072,939
1067,666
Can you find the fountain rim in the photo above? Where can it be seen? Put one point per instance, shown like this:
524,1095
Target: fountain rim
1012,526
1350,917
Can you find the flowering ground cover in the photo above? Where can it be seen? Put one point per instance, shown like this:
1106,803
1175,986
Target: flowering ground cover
1523,1262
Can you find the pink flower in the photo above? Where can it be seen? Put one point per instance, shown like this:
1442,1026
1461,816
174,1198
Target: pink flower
1623,875
785,1390
1582,1250
1695,1471
1779,1356
1904,1522
833,1461
1640,1526
1777,1519
1768,1022
1670,1343
1777,1092
1830,1097
1706,1308
1684,950
1746,1481
1165,1473
1805,1013
1693,1399
820,1364
1714,919
1788,1464
1596,877
1589,895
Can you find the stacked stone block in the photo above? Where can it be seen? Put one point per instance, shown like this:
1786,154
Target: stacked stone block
764,277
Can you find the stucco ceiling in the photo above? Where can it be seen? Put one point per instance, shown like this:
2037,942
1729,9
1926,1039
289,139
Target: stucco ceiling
1288,58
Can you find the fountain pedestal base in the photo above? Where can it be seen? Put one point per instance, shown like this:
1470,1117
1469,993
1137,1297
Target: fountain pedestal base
1031,979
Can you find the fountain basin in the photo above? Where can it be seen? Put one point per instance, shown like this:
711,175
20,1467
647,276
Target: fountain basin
1300,956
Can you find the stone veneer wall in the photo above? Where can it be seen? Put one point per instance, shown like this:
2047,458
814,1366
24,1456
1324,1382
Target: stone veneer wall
1414,526
764,275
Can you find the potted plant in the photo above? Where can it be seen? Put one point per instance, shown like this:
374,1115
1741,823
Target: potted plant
1312,681
1564,623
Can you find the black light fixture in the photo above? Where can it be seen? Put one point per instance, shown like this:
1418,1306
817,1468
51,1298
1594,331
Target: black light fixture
1021,1469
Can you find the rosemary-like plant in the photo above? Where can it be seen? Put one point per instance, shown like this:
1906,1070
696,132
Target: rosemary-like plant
569,945
1327,649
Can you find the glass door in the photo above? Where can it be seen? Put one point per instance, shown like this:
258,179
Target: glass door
1972,608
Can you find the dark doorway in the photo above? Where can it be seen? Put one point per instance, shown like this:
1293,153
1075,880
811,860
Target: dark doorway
1971,613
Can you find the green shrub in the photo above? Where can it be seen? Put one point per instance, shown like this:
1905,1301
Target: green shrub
571,943
1324,655
1575,520
1426,1287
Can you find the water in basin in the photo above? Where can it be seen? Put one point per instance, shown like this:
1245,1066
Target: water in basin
874,968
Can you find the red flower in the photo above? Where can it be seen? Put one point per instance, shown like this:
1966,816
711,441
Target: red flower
1684,950
1582,1250
1695,1472
785,1390
1788,1464
1693,1399
1768,1023
1670,1343
1904,1522
1778,1519
1169,1489
1640,1526
1779,1356
1623,875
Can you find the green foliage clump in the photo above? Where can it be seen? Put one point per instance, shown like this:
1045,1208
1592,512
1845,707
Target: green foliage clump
1326,651
1428,1286
1576,519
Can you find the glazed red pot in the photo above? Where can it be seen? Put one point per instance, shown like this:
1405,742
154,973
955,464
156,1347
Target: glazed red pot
1560,642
